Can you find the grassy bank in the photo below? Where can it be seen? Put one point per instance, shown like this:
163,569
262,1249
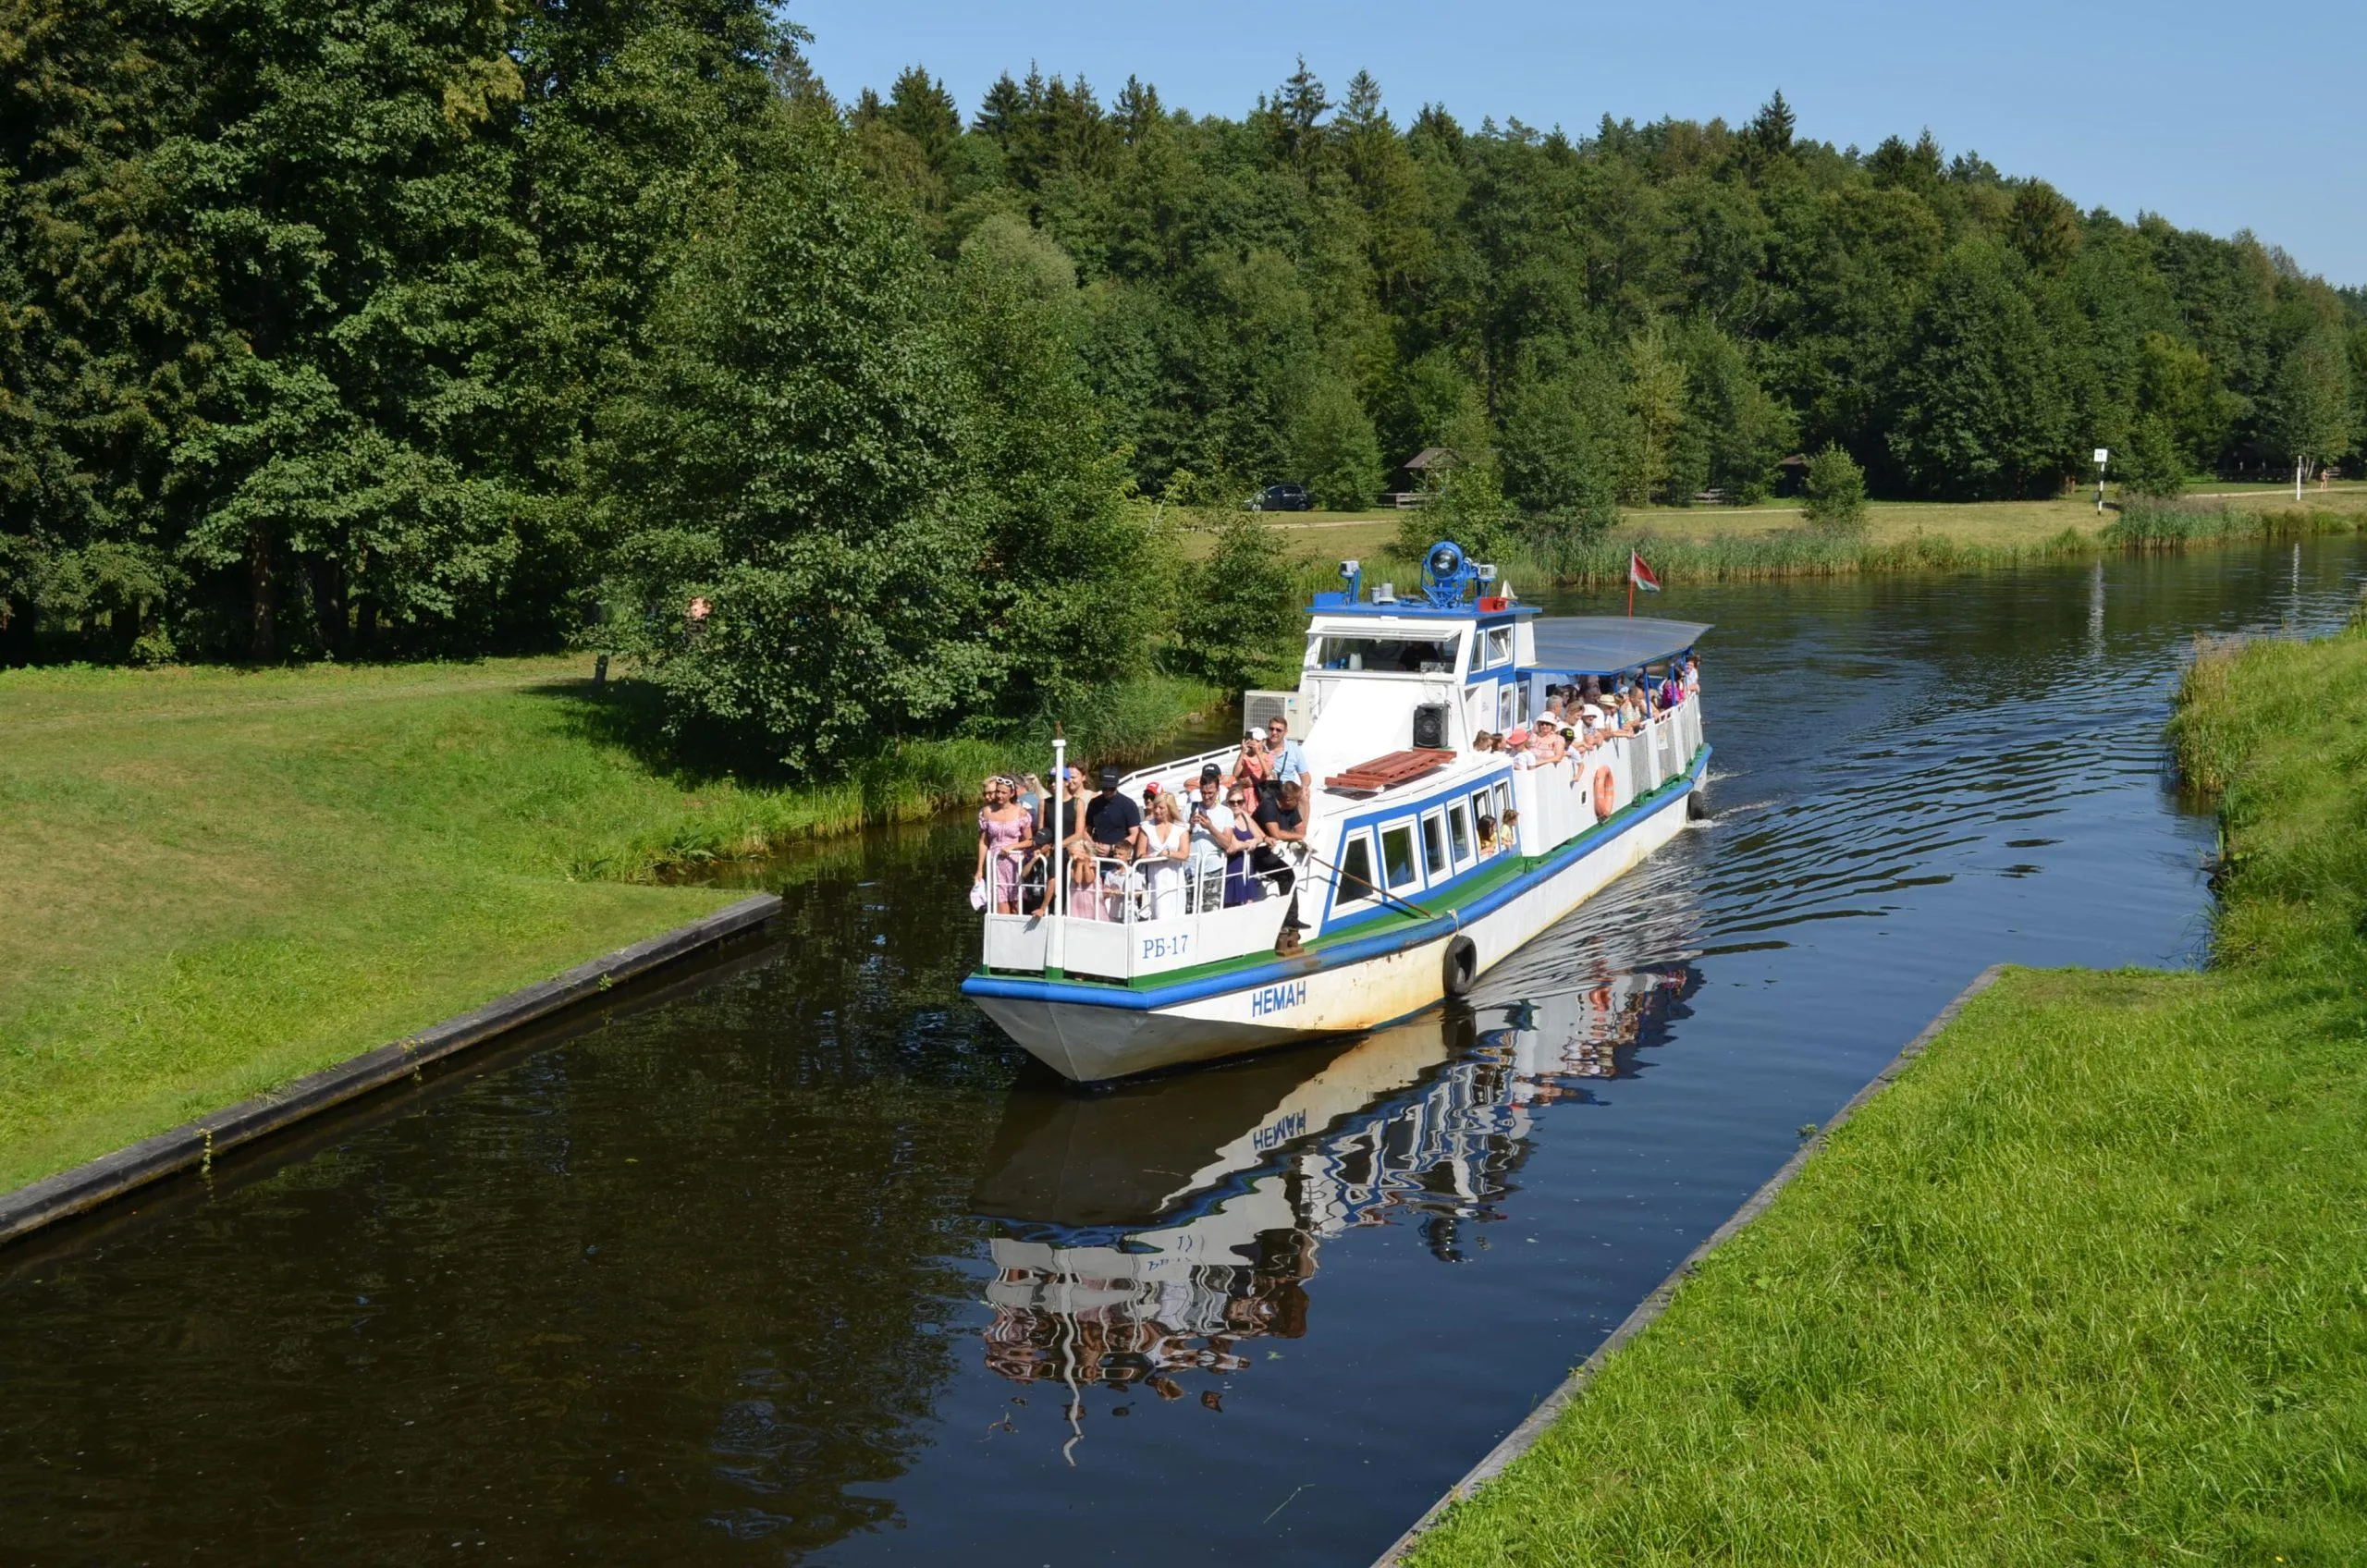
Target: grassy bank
2088,1283
1726,545
226,879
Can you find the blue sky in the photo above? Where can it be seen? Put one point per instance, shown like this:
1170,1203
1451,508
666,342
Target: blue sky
2219,117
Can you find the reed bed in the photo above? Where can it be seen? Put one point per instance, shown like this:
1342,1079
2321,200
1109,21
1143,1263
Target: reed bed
1779,554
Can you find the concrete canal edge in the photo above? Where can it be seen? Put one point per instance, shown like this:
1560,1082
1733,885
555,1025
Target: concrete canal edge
1524,1436
86,1187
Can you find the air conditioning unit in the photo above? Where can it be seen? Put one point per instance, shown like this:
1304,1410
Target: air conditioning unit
1430,727
1261,708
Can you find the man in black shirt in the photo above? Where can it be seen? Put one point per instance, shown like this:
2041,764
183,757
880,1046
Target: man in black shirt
1283,821
1112,820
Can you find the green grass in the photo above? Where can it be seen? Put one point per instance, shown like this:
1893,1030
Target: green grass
223,879
2086,1284
1753,543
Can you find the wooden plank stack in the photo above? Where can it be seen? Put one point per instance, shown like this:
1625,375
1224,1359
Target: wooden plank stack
1384,771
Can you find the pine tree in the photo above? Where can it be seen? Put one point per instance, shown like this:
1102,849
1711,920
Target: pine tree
920,107
1770,128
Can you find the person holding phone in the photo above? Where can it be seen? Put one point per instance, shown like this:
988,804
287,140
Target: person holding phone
1211,827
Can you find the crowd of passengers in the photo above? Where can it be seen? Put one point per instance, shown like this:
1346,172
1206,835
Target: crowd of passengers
1233,836
1580,717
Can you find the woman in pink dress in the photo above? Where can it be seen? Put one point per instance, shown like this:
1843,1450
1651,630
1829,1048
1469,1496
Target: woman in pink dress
1004,828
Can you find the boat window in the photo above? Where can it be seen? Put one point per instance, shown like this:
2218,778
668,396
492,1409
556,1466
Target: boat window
1434,846
1503,708
1499,648
1356,870
1521,702
1393,656
1397,855
1480,804
1503,799
1458,830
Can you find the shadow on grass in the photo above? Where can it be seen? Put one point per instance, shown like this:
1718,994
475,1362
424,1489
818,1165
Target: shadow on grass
629,715
902,780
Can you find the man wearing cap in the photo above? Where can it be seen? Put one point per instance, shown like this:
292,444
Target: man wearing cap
1112,821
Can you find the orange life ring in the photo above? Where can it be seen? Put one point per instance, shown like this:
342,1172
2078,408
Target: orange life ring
1605,793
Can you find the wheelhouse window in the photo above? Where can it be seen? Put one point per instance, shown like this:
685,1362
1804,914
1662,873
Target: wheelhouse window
1356,885
1497,648
1504,720
1397,855
1387,656
1458,832
1520,703
1434,846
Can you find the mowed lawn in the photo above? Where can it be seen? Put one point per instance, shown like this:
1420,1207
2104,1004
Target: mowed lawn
2088,1284
1980,524
222,880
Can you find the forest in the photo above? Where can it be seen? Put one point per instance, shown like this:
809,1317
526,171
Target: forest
353,329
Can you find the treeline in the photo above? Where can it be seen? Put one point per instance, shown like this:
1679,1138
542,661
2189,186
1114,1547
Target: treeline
1316,293
361,328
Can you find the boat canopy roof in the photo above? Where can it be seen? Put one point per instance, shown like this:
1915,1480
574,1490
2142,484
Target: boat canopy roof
1605,644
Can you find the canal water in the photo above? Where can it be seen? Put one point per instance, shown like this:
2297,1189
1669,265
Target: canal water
801,1261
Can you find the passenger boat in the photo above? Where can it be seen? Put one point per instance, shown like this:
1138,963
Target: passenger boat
1397,900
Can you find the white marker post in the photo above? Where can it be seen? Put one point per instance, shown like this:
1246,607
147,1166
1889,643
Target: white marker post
2103,455
1056,946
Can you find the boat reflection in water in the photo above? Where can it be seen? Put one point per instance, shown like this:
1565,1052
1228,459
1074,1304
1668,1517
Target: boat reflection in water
1144,1234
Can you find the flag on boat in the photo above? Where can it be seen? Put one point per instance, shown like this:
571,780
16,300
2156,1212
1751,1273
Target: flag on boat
1641,575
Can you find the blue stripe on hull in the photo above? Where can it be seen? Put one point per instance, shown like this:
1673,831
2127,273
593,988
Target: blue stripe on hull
1346,953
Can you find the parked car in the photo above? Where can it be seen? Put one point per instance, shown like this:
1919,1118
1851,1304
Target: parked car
1281,498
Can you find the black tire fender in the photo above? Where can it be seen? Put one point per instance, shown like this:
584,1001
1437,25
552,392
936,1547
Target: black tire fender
1697,804
1460,967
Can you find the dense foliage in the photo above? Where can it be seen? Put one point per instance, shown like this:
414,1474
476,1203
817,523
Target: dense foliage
345,328
1647,312
357,328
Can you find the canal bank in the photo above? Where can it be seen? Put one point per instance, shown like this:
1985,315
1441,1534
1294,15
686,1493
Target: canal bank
1694,546
803,1266
2083,1284
224,880
197,1144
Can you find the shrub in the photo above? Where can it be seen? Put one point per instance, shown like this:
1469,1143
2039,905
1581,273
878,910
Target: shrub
1239,614
1467,507
2154,467
1837,490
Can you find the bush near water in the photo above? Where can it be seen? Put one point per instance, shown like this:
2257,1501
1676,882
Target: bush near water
2084,1284
349,329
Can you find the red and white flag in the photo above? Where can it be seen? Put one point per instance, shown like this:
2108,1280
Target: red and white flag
1640,575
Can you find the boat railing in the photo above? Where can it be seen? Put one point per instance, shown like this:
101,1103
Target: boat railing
1125,892
1119,918
1178,774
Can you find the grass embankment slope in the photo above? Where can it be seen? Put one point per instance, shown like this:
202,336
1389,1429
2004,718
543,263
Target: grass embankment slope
1728,544
2088,1284
222,880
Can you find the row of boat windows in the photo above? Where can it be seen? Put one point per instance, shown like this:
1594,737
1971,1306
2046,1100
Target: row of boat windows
1429,849
1408,655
